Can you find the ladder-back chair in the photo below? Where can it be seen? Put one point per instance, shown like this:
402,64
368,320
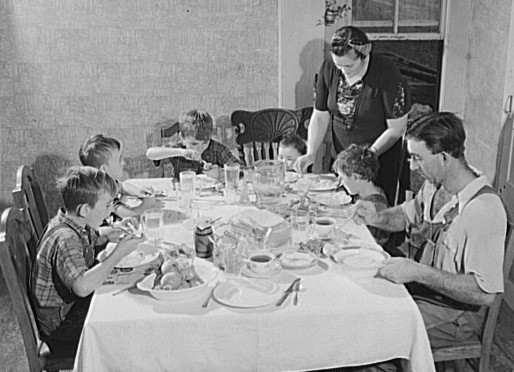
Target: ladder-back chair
478,351
17,238
28,195
258,133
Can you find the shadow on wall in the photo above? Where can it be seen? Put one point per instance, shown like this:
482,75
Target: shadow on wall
47,168
304,89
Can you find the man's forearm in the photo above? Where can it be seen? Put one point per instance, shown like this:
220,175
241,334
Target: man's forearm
460,287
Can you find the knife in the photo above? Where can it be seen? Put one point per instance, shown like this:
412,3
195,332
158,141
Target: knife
288,291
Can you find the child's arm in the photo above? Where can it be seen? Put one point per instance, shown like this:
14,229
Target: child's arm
113,232
93,278
159,153
125,211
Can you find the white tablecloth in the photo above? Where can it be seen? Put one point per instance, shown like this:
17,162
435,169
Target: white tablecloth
341,320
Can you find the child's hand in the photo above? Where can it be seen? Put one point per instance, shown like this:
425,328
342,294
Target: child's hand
149,202
128,244
192,155
214,172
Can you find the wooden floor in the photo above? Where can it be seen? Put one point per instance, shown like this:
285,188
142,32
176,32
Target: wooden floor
12,352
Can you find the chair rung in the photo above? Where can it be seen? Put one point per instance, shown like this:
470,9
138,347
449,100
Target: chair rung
457,352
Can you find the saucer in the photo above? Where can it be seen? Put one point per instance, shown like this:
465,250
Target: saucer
247,271
292,259
316,235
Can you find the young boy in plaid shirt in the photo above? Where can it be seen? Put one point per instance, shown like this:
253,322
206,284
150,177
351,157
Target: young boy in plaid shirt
64,274
205,154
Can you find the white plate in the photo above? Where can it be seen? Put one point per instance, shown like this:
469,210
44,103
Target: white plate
205,182
247,271
332,200
292,259
360,259
173,216
144,254
325,185
292,177
246,293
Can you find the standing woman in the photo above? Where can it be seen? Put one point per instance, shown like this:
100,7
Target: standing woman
368,100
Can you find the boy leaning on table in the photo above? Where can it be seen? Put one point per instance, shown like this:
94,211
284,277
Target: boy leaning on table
64,274
201,154
105,153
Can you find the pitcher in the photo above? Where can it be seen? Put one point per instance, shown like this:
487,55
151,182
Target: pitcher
268,181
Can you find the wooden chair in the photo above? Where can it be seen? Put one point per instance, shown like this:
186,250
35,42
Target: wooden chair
28,195
259,132
479,348
17,239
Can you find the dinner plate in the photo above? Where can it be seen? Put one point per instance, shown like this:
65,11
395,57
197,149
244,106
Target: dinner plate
247,271
292,177
325,185
144,254
292,259
333,199
173,216
247,293
205,182
360,258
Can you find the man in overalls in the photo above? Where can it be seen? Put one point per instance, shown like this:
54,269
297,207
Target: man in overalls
455,254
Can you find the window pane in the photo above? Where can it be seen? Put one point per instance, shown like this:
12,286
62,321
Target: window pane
373,15
419,16
414,16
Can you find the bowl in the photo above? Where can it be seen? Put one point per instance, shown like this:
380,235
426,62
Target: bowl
205,271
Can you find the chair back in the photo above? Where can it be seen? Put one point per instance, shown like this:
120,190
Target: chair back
17,238
258,133
28,195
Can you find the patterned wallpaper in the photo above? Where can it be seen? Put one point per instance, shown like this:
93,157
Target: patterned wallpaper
73,68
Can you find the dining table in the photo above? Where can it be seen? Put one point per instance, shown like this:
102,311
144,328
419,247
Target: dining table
341,318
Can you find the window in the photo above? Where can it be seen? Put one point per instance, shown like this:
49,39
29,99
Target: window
400,19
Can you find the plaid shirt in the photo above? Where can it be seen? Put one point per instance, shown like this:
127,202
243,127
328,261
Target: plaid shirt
215,153
64,253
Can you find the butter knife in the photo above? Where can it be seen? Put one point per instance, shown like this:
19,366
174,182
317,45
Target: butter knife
288,291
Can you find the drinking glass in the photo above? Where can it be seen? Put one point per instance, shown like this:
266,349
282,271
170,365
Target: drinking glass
187,187
232,176
153,226
268,181
300,226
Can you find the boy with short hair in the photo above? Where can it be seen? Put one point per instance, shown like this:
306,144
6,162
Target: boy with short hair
205,154
291,148
63,275
105,153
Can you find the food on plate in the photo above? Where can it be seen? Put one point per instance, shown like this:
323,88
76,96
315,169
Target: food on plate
312,245
176,272
292,176
333,199
133,259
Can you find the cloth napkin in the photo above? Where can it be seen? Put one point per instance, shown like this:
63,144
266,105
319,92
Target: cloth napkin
263,217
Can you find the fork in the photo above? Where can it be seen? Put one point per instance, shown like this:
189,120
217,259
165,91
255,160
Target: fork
211,295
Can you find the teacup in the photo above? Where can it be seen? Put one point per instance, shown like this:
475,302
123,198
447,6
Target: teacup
324,226
262,262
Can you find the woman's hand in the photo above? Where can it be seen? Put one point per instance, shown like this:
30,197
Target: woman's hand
303,162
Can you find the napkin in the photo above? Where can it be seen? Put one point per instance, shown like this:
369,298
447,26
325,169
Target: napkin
263,217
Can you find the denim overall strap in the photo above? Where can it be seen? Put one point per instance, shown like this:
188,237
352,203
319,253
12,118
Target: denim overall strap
434,234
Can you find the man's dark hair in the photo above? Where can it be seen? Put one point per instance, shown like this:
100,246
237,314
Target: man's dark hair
441,131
